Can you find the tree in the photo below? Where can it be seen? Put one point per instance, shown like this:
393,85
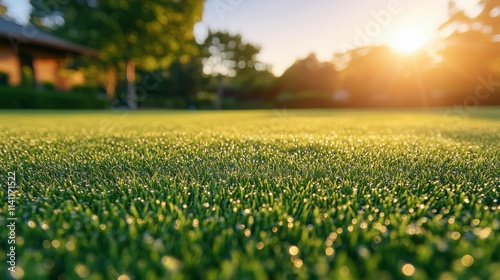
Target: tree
376,76
456,55
149,34
472,48
487,21
3,8
182,80
227,55
308,75
484,27
308,83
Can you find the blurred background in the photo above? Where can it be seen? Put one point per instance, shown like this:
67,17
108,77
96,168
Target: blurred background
222,54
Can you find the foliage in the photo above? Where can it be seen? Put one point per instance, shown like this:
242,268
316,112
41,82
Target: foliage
183,79
228,55
232,63
460,70
478,35
306,99
30,98
27,76
251,85
487,21
376,76
3,8
308,75
152,33
149,34
163,102
85,89
259,195
4,79
46,85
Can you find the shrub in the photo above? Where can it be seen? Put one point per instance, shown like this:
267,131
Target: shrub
85,90
306,99
4,79
159,102
30,98
48,85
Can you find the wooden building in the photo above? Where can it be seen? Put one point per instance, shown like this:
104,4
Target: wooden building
29,55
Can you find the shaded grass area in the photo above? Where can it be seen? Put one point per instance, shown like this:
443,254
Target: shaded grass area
265,194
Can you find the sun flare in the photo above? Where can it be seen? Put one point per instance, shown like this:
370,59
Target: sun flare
408,40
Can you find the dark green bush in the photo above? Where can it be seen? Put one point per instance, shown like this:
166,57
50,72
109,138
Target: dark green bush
30,98
306,99
159,102
48,86
4,79
86,90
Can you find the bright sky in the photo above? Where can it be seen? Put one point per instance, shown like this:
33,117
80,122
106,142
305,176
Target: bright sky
291,29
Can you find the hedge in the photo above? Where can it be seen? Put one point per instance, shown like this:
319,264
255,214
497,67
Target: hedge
30,98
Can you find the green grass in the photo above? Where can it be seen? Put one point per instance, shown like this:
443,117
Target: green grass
262,195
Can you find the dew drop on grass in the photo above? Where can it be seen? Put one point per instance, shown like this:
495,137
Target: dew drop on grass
56,243
298,263
293,250
455,235
329,251
123,277
467,260
70,246
82,270
344,271
18,273
408,269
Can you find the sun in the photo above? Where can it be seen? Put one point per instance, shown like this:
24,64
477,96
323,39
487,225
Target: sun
408,40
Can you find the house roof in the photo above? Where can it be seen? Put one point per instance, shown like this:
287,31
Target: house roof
31,35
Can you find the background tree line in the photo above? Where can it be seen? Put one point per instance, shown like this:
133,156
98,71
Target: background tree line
143,39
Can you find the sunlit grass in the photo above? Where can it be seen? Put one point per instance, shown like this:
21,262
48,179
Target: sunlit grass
265,195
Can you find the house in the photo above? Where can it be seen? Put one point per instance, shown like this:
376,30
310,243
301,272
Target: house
31,56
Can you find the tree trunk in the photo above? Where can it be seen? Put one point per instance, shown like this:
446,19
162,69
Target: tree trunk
220,93
131,90
111,83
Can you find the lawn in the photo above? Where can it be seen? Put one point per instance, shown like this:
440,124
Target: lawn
253,195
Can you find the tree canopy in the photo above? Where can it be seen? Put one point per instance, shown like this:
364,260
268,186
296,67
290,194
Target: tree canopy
228,57
228,54
146,33
471,51
478,34
3,8
308,74
152,33
487,20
